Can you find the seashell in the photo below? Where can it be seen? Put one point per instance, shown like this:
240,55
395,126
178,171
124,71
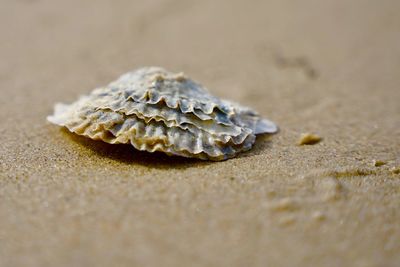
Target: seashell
156,110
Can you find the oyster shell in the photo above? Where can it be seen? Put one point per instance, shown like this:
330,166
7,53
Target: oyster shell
156,110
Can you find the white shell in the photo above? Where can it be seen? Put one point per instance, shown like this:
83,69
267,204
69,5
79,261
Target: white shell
156,110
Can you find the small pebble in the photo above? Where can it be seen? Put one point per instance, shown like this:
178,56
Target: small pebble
309,139
395,170
378,163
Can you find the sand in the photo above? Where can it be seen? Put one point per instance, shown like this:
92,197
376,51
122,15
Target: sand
327,67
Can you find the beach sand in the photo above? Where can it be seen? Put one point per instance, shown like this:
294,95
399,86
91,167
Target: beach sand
324,67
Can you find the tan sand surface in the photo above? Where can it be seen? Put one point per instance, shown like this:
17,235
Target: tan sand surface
327,67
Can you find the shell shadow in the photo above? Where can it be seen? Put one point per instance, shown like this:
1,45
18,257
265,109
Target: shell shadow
263,142
127,154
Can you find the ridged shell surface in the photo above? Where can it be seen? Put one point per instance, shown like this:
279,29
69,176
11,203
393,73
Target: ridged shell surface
156,110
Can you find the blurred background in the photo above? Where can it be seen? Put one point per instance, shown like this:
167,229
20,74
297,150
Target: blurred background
324,66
